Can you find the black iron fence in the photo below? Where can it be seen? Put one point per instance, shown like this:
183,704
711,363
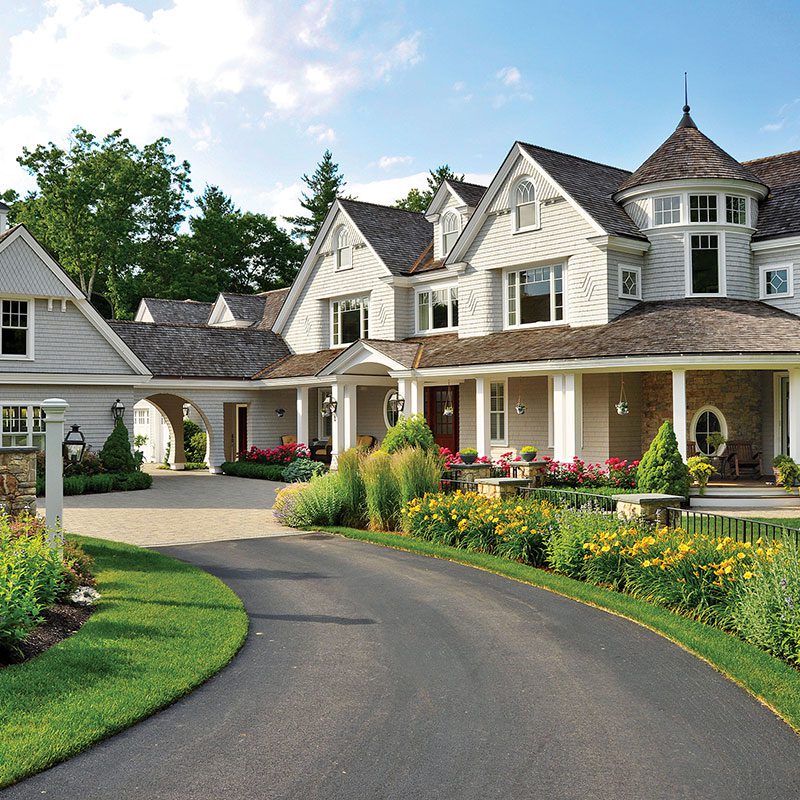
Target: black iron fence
740,529
585,501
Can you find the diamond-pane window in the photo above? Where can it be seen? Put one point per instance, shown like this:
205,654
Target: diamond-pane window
777,281
630,283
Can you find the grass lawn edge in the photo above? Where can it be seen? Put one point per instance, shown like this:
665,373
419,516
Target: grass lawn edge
769,680
163,628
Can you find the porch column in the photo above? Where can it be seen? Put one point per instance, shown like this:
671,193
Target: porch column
794,414
411,391
679,409
337,423
303,414
483,437
567,415
350,416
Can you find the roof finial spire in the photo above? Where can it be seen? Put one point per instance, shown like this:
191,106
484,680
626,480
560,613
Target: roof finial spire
685,93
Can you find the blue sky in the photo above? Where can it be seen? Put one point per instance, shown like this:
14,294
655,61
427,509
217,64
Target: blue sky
251,92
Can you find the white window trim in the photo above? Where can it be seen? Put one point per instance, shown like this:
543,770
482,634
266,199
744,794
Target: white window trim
638,271
31,322
434,288
322,393
457,217
336,249
29,433
687,255
724,199
762,281
504,441
723,424
330,314
681,210
513,205
686,215
385,409
551,323
717,221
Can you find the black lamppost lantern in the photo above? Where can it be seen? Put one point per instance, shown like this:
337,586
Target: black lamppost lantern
329,406
118,410
74,444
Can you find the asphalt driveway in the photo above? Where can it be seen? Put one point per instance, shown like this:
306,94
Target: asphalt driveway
371,673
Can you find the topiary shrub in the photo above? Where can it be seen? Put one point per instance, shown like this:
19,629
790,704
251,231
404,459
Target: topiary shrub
116,454
130,481
662,469
410,431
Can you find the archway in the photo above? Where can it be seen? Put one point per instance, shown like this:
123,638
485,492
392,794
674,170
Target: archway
173,408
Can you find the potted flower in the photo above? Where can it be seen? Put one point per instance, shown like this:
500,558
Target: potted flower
786,471
468,455
700,470
622,408
520,408
528,453
716,441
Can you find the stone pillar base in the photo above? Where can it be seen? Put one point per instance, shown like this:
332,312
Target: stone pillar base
648,507
532,471
177,466
500,487
18,480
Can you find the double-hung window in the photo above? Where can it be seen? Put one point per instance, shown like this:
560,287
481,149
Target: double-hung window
667,210
349,320
702,208
344,249
15,327
705,263
450,230
437,309
525,206
497,411
535,295
22,426
735,210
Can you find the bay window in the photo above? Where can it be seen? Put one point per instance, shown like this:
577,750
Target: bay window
22,426
702,208
437,309
14,327
667,210
705,263
735,210
535,296
349,320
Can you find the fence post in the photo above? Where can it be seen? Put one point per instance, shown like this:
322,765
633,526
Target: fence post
54,410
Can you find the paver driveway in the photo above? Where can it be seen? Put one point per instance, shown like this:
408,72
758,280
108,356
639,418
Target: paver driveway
181,508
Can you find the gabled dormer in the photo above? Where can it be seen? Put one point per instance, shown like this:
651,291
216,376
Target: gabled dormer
449,211
237,310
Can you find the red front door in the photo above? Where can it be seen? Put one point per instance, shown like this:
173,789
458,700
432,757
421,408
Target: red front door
445,428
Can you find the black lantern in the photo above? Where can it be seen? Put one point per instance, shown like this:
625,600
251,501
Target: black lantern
280,411
397,403
118,410
186,409
329,406
74,445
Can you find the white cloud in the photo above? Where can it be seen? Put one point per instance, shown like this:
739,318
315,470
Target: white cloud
321,133
404,54
771,127
387,162
787,115
510,76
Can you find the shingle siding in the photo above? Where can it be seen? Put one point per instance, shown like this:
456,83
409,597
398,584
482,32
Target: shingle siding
740,274
22,272
664,276
782,259
452,203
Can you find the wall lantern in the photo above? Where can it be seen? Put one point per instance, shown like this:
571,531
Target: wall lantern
74,445
118,410
328,406
186,409
397,403
520,408
280,411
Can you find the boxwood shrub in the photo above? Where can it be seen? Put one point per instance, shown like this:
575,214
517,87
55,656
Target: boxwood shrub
247,469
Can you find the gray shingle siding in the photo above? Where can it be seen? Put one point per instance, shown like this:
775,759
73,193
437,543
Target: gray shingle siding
22,272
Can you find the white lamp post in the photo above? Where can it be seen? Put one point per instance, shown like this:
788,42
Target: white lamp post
54,410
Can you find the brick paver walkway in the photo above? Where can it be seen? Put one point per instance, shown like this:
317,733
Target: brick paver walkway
181,508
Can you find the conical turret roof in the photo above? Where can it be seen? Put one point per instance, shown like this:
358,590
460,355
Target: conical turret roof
688,153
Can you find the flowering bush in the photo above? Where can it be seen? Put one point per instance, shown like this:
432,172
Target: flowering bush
614,472
282,454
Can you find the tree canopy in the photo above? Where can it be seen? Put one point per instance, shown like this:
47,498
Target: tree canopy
417,200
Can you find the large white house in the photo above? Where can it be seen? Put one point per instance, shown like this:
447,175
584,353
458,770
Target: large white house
531,309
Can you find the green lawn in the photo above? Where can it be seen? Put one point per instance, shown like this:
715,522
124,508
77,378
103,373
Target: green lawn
773,682
162,627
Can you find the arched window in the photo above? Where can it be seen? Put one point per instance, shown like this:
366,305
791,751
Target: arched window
451,227
525,211
344,250
707,421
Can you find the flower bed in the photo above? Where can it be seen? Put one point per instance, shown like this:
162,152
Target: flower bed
283,454
613,472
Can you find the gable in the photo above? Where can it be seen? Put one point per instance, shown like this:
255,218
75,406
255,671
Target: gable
22,272
545,190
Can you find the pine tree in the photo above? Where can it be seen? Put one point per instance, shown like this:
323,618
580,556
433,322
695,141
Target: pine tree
417,200
662,469
116,454
325,185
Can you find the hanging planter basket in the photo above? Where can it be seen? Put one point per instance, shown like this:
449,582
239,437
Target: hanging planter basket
622,406
520,408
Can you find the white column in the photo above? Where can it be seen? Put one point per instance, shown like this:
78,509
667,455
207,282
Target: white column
404,391
794,414
350,416
679,409
54,410
411,391
303,415
337,423
483,436
567,416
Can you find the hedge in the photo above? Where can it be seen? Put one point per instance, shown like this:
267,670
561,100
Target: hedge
246,469
99,484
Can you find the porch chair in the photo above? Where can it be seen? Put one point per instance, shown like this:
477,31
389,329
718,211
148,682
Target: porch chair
743,456
288,438
365,442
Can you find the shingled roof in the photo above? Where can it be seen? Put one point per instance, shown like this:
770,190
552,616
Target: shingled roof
300,364
397,236
245,307
688,153
673,327
779,214
470,193
178,312
273,302
200,351
591,185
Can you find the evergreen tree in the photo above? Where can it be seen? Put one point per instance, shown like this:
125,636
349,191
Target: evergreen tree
662,469
324,186
417,200
116,454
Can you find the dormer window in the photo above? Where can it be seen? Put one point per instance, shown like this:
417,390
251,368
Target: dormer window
735,210
451,227
702,208
667,210
526,214
344,249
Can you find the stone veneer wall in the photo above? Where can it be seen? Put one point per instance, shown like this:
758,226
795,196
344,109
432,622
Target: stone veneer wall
18,479
736,393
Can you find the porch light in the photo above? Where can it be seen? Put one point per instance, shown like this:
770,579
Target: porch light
118,410
186,409
74,444
397,403
329,406
280,411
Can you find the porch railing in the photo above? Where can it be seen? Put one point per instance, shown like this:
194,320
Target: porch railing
585,501
740,529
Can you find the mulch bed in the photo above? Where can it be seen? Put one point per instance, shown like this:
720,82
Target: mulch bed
60,621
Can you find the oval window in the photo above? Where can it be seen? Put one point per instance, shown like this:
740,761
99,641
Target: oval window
390,411
708,422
